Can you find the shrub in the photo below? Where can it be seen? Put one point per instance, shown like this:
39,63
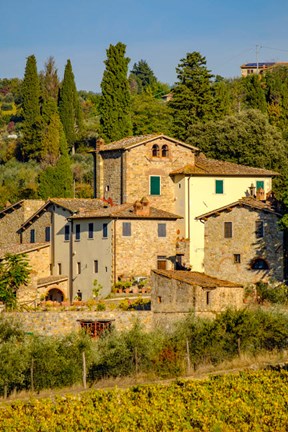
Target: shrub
271,293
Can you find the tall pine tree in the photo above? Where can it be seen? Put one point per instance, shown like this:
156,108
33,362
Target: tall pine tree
32,125
115,104
69,107
192,95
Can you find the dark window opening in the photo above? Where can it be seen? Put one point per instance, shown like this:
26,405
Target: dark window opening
208,298
78,267
105,230
59,268
47,234
32,236
90,230
161,262
159,299
155,150
237,258
95,266
67,232
259,229
165,151
77,232
259,264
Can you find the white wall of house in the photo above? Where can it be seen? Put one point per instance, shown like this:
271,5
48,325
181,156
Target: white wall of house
201,197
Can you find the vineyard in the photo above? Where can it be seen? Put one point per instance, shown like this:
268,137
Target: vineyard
249,401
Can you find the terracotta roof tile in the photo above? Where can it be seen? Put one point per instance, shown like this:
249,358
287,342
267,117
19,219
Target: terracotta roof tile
250,202
204,166
136,140
75,204
48,280
124,211
196,279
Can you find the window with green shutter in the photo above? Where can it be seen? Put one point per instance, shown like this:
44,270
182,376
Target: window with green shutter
154,185
259,184
219,188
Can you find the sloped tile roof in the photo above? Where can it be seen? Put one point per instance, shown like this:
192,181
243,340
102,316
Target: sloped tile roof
249,202
48,280
205,167
21,248
129,142
124,211
196,279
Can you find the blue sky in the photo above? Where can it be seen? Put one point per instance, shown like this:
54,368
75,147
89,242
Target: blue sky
158,31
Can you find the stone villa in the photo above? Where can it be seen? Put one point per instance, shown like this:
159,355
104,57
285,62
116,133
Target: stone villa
149,193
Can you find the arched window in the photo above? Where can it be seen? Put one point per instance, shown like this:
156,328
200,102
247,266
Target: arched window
155,150
165,151
259,264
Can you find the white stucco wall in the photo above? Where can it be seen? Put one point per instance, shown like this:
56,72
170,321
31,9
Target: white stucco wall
201,198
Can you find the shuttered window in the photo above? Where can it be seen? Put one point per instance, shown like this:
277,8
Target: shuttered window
161,230
228,229
47,234
219,188
126,229
67,232
90,230
154,185
77,233
32,236
105,230
259,184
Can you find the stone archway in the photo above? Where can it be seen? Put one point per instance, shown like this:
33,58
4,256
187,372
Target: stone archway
55,294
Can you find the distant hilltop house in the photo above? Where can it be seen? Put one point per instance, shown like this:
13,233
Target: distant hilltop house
259,68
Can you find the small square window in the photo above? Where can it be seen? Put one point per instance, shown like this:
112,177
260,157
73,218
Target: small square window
237,258
228,229
67,232
126,229
219,187
90,230
161,230
77,232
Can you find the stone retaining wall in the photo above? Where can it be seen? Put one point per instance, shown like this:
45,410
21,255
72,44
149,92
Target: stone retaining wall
64,322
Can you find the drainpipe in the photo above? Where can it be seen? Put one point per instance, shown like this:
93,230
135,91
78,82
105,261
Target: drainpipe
114,251
71,262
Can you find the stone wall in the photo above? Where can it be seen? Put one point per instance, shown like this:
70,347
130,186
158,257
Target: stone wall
219,251
111,175
170,296
137,254
39,226
61,323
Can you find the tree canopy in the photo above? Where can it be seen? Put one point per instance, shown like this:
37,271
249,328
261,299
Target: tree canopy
115,103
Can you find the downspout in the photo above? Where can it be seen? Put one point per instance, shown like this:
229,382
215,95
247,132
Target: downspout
114,251
71,263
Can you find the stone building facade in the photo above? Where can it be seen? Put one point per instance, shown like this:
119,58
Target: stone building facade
243,242
140,166
13,216
181,292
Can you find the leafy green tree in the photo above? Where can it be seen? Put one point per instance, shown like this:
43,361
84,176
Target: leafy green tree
246,138
115,104
69,107
32,126
193,99
57,181
150,115
14,272
255,96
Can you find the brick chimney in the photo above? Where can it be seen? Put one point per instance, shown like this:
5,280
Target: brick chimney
142,208
260,194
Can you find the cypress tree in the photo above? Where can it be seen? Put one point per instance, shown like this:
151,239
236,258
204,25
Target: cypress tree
192,95
143,75
57,181
32,123
69,107
115,104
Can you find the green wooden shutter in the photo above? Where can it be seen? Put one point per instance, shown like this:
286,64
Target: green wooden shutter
259,184
219,186
154,185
